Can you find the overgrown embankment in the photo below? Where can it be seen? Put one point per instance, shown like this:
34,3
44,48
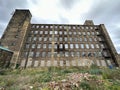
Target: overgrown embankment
56,78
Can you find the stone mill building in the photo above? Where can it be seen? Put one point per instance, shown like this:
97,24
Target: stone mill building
39,45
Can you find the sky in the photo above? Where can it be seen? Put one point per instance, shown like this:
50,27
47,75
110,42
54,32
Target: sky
67,12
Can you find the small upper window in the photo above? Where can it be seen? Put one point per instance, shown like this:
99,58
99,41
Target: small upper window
37,26
74,27
42,26
46,26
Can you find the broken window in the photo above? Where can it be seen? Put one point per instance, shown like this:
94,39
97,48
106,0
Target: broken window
87,46
40,38
90,39
37,26
56,27
70,32
82,45
41,32
55,39
83,54
105,53
71,46
75,38
36,32
45,38
33,45
50,39
86,27
92,45
95,39
93,33
88,33
27,46
80,39
84,33
56,32
65,38
46,32
31,54
50,32
25,54
76,45
46,26
65,32
69,27
49,46
51,26
29,38
55,46
66,54
102,45
97,32
72,54
60,27
43,54
79,33
37,54
66,46
97,46
49,54
60,39
34,38
61,46
77,54
39,46
74,33
60,32
42,26
85,39
61,53
70,39
74,27
44,46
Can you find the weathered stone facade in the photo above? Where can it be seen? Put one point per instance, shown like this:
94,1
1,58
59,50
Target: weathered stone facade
38,45
5,57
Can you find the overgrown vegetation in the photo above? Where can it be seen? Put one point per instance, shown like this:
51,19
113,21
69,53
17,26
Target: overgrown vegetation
93,78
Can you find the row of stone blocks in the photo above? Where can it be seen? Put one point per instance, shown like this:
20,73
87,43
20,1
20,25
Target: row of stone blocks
84,62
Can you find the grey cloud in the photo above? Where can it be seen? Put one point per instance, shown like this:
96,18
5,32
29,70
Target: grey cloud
63,20
6,7
68,4
105,10
43,21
